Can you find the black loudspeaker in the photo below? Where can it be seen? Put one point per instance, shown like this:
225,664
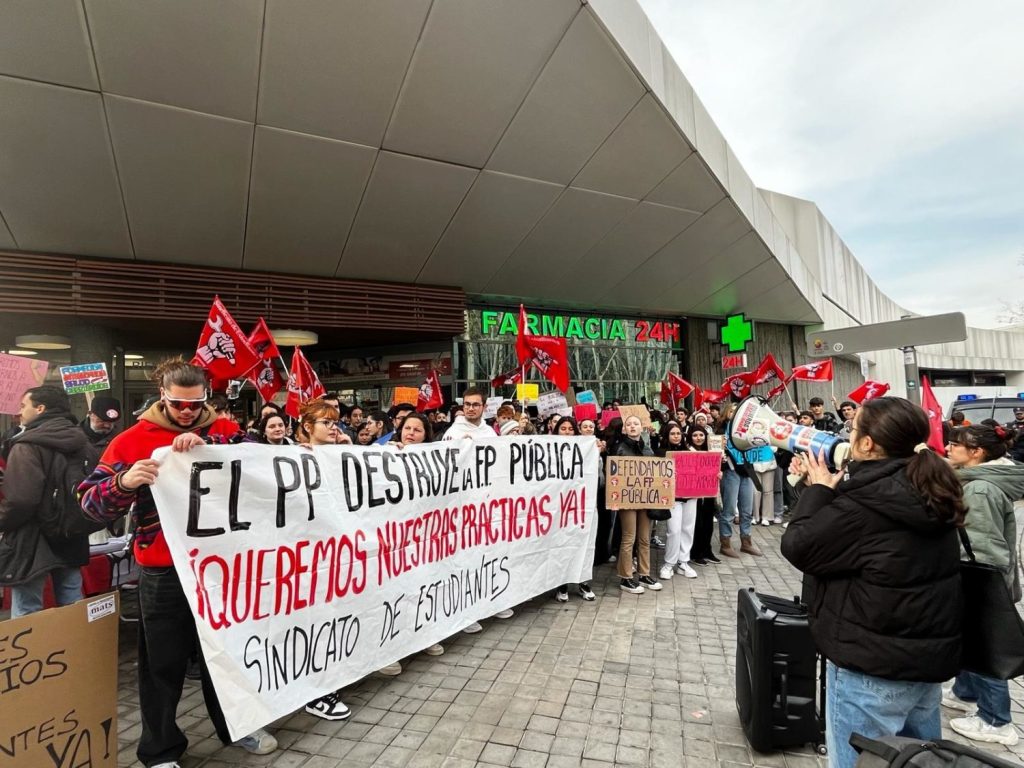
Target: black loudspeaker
778,695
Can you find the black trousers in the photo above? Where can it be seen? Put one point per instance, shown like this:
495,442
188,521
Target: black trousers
704,530
167,634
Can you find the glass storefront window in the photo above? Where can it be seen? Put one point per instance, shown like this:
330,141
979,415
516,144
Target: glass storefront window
618,358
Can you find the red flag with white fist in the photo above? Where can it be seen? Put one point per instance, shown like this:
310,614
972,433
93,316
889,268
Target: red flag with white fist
819,371
303,384
868,390
266,376
223,349
430,395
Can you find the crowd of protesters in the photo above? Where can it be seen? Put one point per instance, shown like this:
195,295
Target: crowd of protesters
980,477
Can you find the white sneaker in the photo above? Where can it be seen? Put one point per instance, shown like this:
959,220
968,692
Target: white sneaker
951,701
435,650
167,765
259,742
765,522
391,670
473,628
685,570
562,595
508,613
976,729
666,572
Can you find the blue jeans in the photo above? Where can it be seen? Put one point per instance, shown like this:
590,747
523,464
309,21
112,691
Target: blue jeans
28,597
736,490
873,707
992,696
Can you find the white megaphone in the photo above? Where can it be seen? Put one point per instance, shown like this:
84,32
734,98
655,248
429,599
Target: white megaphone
755,425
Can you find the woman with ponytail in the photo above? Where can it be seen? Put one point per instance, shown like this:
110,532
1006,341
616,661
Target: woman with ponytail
881,544
992,483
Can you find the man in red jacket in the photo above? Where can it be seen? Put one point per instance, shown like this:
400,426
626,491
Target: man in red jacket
120,484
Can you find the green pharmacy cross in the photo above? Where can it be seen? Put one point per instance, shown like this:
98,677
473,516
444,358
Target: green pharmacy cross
737,332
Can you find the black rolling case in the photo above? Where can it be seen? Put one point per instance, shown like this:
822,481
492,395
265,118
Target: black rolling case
779,691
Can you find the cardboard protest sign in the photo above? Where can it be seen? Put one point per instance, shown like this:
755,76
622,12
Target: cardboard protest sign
584,411
640,411
492,405
16,375
58,688
607,416
405,395
552,402
586,396
526,392
696,473
89,377
640,482
716,443
309,569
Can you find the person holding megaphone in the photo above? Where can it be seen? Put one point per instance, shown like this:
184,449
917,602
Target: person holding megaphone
879,542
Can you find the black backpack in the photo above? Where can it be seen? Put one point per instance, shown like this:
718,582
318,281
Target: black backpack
61,515
899,751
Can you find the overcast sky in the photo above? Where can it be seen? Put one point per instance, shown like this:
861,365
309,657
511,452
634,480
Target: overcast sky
903,121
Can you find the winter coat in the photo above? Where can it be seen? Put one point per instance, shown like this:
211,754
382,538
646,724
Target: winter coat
627,446
462,428
989,492
887,597
101,441
25,552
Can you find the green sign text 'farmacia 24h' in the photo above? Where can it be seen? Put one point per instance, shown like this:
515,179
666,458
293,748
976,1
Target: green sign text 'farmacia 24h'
500,323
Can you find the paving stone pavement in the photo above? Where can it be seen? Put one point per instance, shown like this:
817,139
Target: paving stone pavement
625,680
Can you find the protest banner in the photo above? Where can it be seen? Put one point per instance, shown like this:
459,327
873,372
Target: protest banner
58,690
640,411
526,392
552,402
88,377
16,375
607,415
307,569
492,405
696,473
405,395
640,482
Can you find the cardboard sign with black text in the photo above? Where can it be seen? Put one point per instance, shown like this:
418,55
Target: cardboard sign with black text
58,686
640,482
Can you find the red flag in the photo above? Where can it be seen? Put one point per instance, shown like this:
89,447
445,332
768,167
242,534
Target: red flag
703,397
303,384
266,376
819,371
515,376
522,348
223,349
868,390
551,357
934,410
430,395
738,385
777,390
674,390
768,370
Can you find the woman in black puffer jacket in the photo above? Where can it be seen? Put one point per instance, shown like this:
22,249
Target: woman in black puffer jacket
882,546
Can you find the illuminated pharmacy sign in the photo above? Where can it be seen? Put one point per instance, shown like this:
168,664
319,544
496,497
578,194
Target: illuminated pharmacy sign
499,323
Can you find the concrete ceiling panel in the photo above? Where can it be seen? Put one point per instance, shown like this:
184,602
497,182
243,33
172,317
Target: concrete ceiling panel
689,186
643,232
334,67
6,239
742,293
303,197
407,205
58,185
584,92
576,222
474,63
695,245
46,40
639,154
497,214
186,181
710,142
184,53
700,280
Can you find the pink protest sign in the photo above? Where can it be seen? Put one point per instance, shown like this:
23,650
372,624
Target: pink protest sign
16,375
584,411
697,473
607,416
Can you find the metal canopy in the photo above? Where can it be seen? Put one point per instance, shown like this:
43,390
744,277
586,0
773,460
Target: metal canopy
508,148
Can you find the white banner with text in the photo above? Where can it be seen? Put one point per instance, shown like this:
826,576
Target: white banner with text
307,569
